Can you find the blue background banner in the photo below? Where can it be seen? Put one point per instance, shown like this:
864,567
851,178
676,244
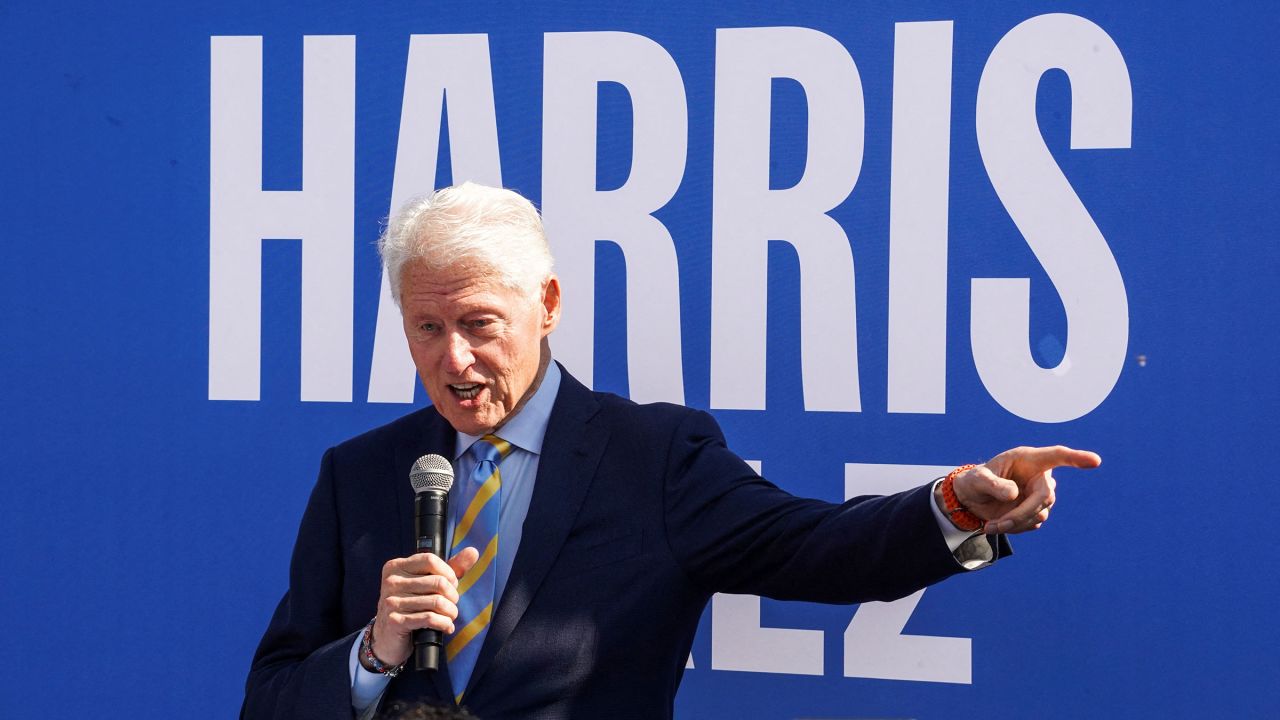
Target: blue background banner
160,431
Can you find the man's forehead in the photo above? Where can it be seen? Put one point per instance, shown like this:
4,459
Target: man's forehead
457,284
458,275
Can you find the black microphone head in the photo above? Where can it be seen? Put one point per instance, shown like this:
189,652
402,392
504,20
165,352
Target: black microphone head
431,472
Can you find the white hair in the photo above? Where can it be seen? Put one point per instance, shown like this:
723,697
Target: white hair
492,230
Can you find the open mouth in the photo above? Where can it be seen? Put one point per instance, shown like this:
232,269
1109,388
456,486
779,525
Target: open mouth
466,391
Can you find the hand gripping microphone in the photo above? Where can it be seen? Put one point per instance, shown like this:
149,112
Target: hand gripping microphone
431,477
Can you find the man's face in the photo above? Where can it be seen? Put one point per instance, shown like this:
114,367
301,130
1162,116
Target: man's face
477,344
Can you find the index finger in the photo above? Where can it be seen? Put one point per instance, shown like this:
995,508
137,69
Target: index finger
1062,456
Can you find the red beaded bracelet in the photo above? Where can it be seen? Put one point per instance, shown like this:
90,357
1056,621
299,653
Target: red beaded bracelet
959,514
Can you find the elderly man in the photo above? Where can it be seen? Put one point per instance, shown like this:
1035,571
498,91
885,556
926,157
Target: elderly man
588,532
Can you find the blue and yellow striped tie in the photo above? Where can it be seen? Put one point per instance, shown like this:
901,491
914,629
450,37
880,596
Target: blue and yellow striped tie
477,528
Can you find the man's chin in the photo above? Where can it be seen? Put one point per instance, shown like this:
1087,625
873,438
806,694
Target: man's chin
469,422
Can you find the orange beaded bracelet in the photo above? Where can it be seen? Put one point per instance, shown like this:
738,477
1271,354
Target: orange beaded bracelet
960,516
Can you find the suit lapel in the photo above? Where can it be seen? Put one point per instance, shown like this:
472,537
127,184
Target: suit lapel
571,451
434,435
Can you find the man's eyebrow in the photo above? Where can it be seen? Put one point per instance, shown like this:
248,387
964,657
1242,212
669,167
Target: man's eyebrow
484,310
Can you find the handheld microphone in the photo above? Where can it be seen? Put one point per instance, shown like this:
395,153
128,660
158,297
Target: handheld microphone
431,477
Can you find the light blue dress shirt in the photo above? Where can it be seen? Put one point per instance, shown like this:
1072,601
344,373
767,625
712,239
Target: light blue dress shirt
525,431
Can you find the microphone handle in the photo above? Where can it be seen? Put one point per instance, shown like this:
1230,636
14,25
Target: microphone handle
430,515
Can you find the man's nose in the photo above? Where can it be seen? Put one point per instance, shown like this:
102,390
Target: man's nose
458,355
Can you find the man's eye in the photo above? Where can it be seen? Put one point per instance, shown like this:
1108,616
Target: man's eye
428,327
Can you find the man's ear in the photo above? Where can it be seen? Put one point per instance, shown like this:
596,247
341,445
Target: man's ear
550,305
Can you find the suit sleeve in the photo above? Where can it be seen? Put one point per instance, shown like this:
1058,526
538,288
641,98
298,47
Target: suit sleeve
301,667
733,531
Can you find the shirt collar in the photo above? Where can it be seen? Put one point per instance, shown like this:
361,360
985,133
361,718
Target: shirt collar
528,427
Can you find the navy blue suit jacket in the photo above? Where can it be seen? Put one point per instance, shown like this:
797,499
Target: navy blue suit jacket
639,514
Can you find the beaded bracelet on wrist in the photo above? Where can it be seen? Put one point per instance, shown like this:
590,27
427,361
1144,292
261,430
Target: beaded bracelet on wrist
366,650
959,514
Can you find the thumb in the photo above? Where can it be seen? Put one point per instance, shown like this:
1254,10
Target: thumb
464,560
988,485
